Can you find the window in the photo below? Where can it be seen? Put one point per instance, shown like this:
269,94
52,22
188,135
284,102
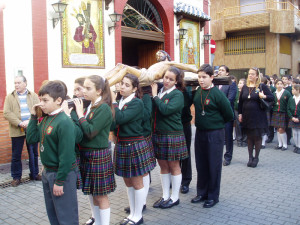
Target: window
245,44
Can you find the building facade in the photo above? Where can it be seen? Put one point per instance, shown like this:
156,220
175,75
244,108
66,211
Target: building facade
32,44
257,33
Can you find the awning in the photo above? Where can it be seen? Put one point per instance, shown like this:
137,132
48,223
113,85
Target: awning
191,10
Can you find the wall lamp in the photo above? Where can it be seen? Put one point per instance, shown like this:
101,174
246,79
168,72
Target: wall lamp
206,39
59,8
115,17
181,32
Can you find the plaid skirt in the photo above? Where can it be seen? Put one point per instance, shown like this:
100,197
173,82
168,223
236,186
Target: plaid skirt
148,139
170,146
294,125
279,119
132,159
79,179
97,172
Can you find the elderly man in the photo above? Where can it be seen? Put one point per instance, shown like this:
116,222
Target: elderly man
17,108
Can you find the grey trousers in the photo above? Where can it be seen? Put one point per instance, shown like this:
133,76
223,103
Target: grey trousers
62,210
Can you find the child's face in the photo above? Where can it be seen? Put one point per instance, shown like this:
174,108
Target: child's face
285,80
279,85
204,80
169,80
48,105
126,87
222,72
295,92
272,80
90,92
241,84
78,90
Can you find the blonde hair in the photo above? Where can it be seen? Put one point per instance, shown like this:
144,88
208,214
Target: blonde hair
258,80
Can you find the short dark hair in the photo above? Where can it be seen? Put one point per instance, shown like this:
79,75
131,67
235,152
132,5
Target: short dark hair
80,81
55,89
226,68
206,68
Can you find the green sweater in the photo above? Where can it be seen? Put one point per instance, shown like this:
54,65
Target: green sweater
58,134
147,115
130,119
78,130
96,127
291,109
167,113
281,105
217,109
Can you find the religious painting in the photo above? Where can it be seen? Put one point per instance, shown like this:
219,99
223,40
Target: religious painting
82,34
190,45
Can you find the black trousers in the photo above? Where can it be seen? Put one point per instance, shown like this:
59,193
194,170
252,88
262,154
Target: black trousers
186,164
208,155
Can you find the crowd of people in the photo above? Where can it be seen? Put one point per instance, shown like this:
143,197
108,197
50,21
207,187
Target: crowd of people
148,125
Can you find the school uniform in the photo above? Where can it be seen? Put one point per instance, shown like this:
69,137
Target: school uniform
293,110
95,155
212,111
279,117
131,155
56,134
168,137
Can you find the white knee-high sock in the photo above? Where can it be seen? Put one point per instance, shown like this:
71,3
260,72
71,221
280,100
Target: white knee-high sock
96,215
176,182
279,139
264,138
295,136
165,182
104,216
284,140
146,182
91,200
139,199
130,193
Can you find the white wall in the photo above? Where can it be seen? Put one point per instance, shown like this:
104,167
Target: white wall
17,19
68,75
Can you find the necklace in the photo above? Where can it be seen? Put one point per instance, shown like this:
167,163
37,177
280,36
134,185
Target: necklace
44,131
203,112
250,91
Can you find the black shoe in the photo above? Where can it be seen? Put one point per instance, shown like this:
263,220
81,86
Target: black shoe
298,151
131,222
158,203
269,140
124,221
254,162
226,163
91,221
249,164
278,147
210,203
263,147
169,204
198,198
184,189
284,148
127,209
295,149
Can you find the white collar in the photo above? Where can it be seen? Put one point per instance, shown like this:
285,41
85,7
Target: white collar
126,100
296,98
90,106
55,112
161,93
280,92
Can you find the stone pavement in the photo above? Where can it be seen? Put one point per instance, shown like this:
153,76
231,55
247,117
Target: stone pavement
268,194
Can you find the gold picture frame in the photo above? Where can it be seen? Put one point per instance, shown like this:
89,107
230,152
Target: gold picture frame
83,34
190,45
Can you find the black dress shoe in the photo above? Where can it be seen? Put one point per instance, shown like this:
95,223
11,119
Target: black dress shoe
184,189
295,149
278,147
284,148
91,221
210,203
263,147
124,221
127,209
198,198
169,203
254,162
226,163
249,164
158,203
141,221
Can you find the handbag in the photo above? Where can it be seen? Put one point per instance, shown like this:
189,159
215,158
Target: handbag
265,105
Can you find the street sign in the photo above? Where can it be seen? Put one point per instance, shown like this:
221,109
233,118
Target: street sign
212,46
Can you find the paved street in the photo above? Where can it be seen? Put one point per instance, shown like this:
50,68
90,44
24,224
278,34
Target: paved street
268,194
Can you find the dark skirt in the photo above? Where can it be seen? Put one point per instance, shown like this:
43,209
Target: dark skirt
97,172
257,132
132,159
294,125
279,120
148,139
170,146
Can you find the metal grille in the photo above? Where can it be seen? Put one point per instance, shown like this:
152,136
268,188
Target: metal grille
245,44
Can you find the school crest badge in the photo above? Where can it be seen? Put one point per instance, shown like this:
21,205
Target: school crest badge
49,130
125,107
91,115
207,101
166,101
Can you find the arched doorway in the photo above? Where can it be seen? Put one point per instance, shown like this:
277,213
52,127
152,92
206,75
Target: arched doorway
142,33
